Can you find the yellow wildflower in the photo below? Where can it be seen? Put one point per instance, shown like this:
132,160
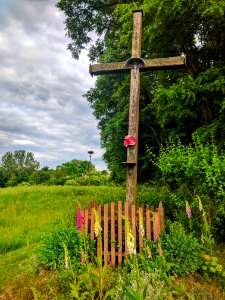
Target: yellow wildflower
67,258
141,224
130,238
206,257
219,268
148,250
200,204
97,224
214,261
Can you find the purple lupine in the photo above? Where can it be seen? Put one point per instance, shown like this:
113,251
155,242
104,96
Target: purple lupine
188,210
80,219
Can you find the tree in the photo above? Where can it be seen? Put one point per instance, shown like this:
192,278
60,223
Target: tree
3,178
173,103
41,176
75,168
19,165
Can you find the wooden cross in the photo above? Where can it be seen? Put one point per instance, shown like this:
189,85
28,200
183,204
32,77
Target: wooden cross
134,66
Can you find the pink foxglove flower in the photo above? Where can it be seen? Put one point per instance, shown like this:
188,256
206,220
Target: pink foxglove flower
80,219
129,140
188,210
82,260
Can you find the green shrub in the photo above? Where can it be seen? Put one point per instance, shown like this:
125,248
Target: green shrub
72,182
51,253
187,171
24,184
181,250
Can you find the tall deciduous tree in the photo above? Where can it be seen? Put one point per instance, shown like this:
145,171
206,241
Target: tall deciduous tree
19,164
173,103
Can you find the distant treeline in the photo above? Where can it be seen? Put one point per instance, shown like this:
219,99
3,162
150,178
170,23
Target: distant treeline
21,168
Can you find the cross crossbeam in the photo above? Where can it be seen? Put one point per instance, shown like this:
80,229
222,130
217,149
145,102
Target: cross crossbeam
135,65
149,65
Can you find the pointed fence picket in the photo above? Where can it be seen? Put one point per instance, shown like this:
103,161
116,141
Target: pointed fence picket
113,244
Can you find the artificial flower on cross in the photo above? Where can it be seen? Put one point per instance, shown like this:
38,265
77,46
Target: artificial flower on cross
129,140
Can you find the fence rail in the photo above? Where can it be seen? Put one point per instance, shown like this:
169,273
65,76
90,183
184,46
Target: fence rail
145,222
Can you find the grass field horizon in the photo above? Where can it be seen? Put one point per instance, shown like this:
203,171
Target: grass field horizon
28,214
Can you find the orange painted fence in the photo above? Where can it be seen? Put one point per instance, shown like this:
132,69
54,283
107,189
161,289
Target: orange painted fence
113,244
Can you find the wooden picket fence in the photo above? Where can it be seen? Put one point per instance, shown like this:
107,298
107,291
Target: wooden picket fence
113,243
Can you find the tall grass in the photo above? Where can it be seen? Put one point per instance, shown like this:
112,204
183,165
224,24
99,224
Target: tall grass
26,213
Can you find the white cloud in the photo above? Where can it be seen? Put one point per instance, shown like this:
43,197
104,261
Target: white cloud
42,109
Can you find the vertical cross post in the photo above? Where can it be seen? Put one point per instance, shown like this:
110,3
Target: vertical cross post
132,151
134,66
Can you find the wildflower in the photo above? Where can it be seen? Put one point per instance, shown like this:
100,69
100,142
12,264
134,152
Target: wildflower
141,224
130,238
160,250
206,257
214,261
82,260
188,210
200,204
67,258
202,239
97,225
148,250
212,269
219,268
80,219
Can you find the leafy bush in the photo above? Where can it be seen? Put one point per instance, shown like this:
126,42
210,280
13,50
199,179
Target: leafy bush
94,178
51,253
197,169
71,182
181,250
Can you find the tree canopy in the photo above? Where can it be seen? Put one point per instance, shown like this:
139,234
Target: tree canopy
17,166
173,103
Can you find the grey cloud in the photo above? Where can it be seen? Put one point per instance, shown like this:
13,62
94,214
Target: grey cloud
41,105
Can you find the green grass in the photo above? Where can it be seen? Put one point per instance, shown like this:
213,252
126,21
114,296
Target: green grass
28,213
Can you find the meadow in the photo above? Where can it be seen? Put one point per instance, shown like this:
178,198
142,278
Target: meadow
27,214
182,269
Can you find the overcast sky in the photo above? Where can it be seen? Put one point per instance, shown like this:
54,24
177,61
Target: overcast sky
41,105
